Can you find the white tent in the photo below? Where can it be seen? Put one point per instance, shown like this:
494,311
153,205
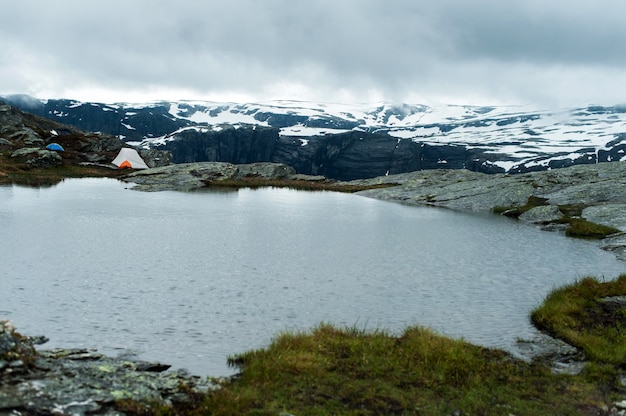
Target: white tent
129,158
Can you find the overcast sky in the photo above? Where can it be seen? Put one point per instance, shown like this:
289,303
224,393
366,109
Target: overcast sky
542,52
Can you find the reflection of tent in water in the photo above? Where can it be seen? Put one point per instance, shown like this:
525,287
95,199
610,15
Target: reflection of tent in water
129,158
55,146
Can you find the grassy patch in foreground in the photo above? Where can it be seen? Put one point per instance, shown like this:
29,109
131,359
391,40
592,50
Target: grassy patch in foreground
355,372
581,315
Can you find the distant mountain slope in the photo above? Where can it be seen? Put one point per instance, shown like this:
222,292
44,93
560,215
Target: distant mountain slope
356,141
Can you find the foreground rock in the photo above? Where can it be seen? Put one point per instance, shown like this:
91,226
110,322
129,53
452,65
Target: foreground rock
80,382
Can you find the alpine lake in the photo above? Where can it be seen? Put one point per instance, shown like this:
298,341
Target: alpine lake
188,279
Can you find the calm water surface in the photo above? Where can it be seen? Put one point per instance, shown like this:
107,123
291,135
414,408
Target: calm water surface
189,278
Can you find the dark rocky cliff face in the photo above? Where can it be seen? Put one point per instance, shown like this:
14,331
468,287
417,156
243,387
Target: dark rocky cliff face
347,156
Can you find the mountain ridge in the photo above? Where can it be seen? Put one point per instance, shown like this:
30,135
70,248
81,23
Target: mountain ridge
356,141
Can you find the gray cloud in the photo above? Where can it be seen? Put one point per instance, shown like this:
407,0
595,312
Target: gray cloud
396,50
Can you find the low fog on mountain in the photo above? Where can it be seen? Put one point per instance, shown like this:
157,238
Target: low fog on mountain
484,52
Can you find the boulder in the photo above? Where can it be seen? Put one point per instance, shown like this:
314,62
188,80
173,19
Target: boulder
96,143
156,158
542,214
27,136
10,119
612,215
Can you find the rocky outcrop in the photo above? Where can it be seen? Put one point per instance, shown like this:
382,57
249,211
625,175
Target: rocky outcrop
596,193
155,158
590,185
38,158
25,136
81,382
191,176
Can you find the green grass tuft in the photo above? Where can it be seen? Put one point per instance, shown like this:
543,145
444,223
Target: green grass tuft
577,314
355,372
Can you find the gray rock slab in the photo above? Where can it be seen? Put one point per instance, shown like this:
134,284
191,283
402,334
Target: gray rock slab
600,189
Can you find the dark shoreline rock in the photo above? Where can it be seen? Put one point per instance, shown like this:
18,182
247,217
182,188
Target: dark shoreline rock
80,381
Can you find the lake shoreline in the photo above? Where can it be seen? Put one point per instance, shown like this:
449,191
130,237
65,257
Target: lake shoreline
414,190
585,201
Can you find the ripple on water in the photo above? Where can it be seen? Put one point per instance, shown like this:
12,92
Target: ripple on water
205,276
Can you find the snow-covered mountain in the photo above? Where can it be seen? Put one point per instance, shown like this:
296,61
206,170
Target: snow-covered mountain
398,137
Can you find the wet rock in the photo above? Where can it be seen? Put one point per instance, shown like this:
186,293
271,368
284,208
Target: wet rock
604,183
616,245
182,177
621,405
561,357
10,119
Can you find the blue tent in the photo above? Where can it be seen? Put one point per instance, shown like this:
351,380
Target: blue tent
55,146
